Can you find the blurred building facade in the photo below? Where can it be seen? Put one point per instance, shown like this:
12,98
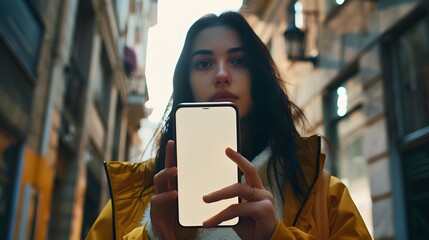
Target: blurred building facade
72,93
362,78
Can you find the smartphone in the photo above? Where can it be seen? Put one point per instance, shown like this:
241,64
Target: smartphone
202,133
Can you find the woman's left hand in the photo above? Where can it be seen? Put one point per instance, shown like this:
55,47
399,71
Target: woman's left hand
258,218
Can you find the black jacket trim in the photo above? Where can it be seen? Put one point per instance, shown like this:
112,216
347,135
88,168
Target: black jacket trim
111,200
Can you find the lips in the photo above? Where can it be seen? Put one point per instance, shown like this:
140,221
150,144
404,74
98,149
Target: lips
223,97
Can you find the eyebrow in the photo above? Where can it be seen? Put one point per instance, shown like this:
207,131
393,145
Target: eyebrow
236,49
210,52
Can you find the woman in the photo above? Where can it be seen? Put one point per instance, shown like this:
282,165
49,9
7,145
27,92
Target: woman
285,193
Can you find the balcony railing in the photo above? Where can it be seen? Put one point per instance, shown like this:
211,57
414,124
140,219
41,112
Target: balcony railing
137,96
137,89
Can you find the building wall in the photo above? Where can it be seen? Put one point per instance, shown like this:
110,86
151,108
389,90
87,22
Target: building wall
49,156
349,44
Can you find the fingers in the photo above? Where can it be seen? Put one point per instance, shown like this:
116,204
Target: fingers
262,212
164,180
239,190
162,205
246,167
170,154
163,199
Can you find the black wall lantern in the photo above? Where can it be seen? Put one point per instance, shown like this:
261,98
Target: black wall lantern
295,44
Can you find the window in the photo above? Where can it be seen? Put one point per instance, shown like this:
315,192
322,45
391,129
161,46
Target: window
417,181
78,67
63,192
102,86
94,175
9,157
406,64
76,82
346,97
299,17
345,123
412,58
22,30
294,13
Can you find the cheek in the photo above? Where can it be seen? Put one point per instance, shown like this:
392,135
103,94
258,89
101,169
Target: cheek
198,90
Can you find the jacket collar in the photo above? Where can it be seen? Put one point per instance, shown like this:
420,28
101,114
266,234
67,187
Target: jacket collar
310,158
312,163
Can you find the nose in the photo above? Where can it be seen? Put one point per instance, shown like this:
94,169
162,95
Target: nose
222,76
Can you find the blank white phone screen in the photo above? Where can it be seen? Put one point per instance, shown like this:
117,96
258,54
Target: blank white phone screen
202,135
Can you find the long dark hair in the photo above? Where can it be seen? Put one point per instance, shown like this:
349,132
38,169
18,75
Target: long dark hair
271,120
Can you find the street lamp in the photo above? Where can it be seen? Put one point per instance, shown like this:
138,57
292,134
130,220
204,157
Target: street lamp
294,38
295,44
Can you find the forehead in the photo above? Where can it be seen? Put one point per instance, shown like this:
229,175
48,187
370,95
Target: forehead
219,37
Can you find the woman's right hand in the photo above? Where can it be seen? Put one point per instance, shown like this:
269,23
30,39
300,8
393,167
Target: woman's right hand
163,212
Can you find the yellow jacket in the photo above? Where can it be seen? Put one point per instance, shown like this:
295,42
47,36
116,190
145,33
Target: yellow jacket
328,206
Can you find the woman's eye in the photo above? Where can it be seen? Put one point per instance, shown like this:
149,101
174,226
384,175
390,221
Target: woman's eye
202,64
240,61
